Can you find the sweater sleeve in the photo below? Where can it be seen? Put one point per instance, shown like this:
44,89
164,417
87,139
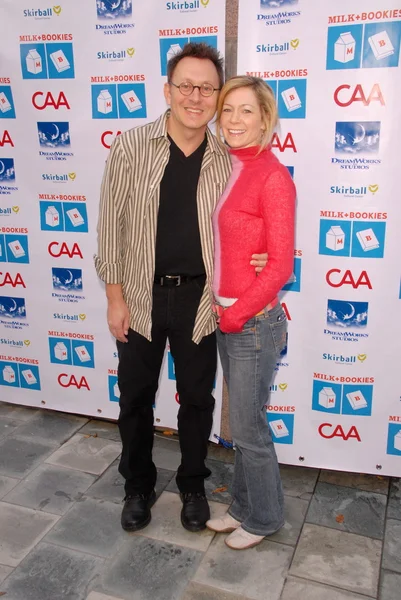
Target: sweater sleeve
277,206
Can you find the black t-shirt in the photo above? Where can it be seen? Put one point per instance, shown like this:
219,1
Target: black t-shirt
178,244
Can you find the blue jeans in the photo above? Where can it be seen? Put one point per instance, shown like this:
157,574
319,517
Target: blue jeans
249,359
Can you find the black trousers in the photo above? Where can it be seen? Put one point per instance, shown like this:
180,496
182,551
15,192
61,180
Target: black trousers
173,316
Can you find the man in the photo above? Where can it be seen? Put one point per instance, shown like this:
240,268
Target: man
160,186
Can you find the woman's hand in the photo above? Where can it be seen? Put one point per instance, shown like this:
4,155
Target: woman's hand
259,261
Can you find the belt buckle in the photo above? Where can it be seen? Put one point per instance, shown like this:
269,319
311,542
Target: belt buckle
176,277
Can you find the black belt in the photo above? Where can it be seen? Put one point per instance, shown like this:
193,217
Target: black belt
175,280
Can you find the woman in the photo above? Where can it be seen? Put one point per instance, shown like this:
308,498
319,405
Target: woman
254,215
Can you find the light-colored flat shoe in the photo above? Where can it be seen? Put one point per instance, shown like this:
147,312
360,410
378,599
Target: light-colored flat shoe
224,524
241,539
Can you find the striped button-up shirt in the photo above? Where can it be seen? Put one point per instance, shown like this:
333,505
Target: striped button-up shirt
129,205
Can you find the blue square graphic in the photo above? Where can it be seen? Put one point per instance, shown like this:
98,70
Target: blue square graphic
12,308
291,171
294,283
51,216
292,99
168,48
104,102
75,217
9,374
368,239
29,377
281,428
3,256
60,61
83,354
33,61
67,280
17,248
326,396
344,47
54,134
357,400
7,170
273,84
60,351
112,383
347,314
170,367
7,109
394,439
381,46
357,137
335,237
131,100
210,40
110,9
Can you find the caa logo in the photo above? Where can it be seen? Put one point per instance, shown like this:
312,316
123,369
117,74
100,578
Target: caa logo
124,101
336,278
353,399
114,9
19,375
47,61
5,138
63,216
79,353
345,315
67,279
13,280
108,137
42,100
329,431
66,381
291,97
294,282
374,45
357,137
287,144
7,110
359,239
7,170
282,428
14,249
169,47
54,135
114,390
345,95
57,249
12,308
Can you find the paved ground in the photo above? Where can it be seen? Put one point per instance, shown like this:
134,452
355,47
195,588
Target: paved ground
60,538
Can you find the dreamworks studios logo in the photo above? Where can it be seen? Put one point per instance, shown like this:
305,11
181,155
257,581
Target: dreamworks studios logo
7,176
116,13
54,135
347,320
357,142
278,12
43,13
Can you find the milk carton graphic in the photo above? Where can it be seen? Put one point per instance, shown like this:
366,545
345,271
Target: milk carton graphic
5,106
327,397
116,390
291,99
397,441
34,62
279,428
131,101
357,400
52,216
368,240
381,45
344,48
75,217
173,50
60,351
104,102
335,238
82,353
9,374
29,376
16,248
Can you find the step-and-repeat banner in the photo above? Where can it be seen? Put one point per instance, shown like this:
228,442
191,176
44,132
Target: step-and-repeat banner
335,71
72,77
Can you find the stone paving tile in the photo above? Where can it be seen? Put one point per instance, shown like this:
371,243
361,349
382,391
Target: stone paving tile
259,573
98,596
51,426
166,524
51,489
103,429
348,509
19,456
221,477
166,453
7,426
196,591
394,504
217,452
52,573
392,546
13,411
91,455
338,558
369,483
298,481
20,529
294,513
7,484
91,526
296,589
4,572
146,569
390,586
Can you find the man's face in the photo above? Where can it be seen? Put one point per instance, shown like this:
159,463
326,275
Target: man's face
194,111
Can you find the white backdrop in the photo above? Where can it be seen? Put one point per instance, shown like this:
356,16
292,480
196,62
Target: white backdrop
72,77
335,72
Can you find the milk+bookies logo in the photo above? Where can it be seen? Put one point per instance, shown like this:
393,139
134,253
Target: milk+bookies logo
63,216
53,60
171,43
123,100
7,110
358,239
75,352
14,247
291,97
331,395
17,375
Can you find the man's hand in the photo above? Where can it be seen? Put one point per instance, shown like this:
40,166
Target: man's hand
259,261
118,319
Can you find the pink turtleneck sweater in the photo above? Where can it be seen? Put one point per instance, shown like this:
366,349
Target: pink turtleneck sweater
255,214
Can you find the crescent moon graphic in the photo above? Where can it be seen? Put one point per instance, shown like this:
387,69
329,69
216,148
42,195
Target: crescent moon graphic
71,278
14,307
352,311
2,167
361,136
57,132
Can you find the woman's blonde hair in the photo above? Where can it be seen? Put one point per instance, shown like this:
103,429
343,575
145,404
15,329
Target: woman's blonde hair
266,101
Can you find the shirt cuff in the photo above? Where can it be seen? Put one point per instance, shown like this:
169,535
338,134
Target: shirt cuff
108,272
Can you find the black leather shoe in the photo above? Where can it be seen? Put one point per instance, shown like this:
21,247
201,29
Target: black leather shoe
136,512
195,511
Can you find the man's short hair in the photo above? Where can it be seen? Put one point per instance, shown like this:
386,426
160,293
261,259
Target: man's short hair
202,51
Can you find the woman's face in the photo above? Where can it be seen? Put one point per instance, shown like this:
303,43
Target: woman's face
241,119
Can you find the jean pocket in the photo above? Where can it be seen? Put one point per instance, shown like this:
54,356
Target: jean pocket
278,326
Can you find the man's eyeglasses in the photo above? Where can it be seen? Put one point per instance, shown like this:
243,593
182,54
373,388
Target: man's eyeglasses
186,88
